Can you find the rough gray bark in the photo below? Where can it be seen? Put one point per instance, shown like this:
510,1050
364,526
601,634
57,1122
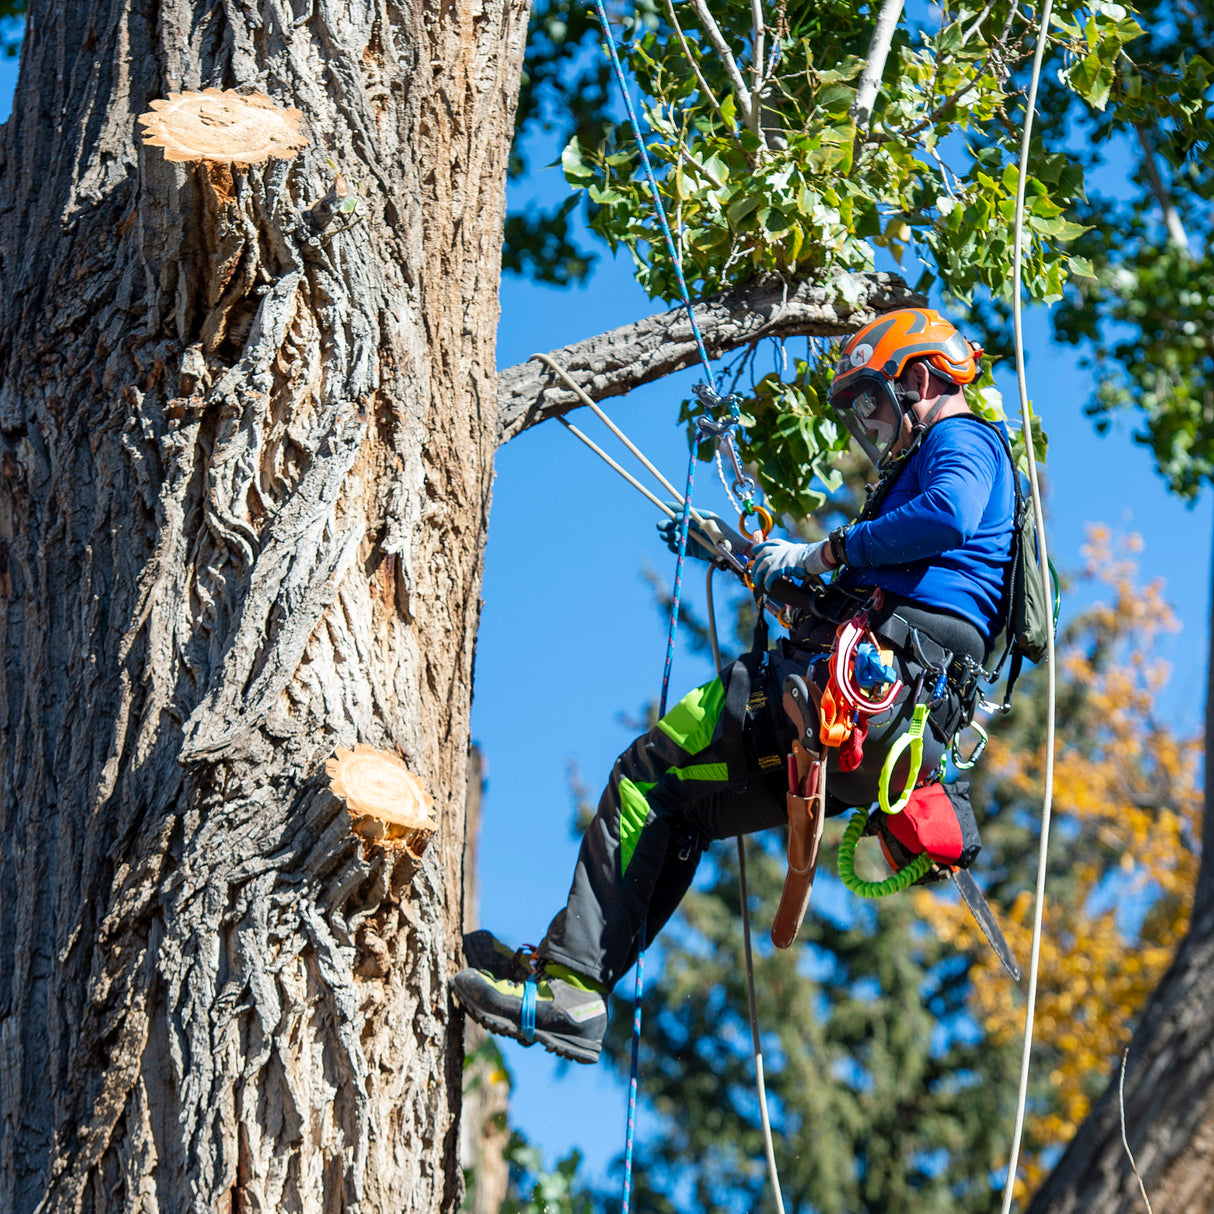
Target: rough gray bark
245,462
1169,1105
615,362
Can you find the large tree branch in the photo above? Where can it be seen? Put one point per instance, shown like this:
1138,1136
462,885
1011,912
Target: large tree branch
615,362
1171,216
874,67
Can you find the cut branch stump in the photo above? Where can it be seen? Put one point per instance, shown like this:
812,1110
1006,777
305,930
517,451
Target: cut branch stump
387,804
223,126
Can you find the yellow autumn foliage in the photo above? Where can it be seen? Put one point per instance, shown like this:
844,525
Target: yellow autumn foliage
1127,803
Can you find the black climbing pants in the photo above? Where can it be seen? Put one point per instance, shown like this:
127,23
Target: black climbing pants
714,767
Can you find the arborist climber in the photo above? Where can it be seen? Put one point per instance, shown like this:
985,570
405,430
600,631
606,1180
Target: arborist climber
920,576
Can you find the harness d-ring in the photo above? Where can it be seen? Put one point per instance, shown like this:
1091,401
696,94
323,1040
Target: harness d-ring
766,522
914,739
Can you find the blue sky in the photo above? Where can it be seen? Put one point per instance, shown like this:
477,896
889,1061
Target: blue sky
570,638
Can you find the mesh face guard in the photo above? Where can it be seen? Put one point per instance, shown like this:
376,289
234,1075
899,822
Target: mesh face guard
859,402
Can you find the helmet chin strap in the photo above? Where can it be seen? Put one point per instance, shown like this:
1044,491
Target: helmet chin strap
919,426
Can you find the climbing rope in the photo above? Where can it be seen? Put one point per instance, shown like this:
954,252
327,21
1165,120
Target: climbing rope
1043,569
660,211
744,898
634,1068
684,523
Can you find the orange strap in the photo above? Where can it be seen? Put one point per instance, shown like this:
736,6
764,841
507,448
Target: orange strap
837,720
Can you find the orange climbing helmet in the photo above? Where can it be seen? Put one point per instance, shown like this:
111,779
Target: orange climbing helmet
872,360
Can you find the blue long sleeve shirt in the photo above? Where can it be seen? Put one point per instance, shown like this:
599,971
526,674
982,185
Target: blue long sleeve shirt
942,537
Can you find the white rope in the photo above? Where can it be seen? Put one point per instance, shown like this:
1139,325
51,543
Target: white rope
1009,1186
744,897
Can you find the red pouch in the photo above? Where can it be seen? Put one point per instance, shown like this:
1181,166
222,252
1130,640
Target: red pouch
939,820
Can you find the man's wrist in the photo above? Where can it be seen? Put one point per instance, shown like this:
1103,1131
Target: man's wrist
836,545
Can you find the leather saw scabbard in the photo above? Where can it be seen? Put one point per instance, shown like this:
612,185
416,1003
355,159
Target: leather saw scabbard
806,816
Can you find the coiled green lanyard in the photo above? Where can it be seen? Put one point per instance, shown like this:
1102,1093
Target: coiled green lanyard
918,867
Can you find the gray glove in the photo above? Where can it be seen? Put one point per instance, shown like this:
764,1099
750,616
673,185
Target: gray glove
775,559
716,530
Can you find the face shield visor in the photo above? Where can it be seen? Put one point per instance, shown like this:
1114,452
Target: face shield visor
858,404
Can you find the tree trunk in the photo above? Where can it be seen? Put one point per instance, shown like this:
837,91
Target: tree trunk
245,463
1169,1083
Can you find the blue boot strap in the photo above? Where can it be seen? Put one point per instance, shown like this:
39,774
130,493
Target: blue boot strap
528,1017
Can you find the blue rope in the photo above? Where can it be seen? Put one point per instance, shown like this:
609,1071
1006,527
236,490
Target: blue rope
634,1071
528,1016
684,523
671,248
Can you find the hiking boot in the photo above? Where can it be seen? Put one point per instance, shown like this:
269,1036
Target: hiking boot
567,1013
485,952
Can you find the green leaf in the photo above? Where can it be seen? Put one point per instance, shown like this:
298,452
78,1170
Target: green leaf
1081,267
741,207
604,195
577,171
835,98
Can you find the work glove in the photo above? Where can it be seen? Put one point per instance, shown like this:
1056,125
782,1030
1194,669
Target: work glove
775,559
715,528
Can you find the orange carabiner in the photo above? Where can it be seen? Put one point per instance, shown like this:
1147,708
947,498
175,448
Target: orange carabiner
766,522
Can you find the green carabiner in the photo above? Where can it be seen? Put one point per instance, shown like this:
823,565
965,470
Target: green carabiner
914,739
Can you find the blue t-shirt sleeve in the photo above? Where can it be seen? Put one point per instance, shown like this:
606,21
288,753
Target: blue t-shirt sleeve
954,481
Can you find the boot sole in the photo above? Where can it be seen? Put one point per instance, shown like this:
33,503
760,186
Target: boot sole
554,1043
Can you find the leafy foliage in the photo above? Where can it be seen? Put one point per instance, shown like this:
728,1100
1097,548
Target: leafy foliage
769,168
773,159
772,163
1141,303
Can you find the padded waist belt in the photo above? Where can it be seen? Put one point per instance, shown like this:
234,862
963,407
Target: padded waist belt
945,640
